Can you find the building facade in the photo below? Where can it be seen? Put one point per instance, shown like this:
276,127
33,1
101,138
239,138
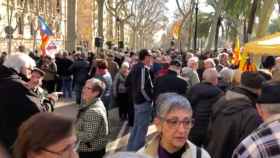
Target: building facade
22,16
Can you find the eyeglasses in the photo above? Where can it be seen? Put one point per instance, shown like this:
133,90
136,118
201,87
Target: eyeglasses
73,147
174,123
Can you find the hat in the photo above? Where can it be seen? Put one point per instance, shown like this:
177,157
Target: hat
176,62
41,72
252,80
270,93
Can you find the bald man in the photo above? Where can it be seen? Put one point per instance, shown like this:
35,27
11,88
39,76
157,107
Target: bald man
202,96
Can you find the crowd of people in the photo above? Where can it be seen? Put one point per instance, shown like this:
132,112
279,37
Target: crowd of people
202,105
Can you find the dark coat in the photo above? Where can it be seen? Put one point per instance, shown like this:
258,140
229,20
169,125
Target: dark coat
80,70
63,66
139,84
234,117
18,103
170,82
202,96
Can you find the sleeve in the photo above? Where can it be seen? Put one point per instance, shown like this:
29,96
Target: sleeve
143,80
90,124
115,85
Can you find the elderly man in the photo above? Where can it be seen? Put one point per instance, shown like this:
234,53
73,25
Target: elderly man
234,116
18,102
264,141
202,96
209,63
174,122
191,71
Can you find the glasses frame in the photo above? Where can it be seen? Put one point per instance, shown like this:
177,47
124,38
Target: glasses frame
74,146
178,122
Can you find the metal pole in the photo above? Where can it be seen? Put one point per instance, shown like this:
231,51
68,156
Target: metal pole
195,31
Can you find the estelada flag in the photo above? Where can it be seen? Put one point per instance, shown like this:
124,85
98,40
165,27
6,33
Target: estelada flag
45,32
175,31
236,53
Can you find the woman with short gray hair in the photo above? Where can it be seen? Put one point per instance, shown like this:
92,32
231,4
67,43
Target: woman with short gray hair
173,121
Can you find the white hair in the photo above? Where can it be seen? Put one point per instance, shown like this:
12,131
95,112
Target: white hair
18,60
186,71
227,74
210,60
210,75
167,102
125,65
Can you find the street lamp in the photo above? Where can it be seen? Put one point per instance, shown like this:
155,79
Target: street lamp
118,30
195,31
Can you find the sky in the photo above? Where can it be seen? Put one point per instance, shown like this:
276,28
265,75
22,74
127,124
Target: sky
172,8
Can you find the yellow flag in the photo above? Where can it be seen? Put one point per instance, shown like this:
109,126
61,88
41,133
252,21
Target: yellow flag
175,31
236,52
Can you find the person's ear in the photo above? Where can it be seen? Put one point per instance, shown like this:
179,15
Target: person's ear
260,111
157,123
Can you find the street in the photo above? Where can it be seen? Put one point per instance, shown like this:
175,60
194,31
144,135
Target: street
119,131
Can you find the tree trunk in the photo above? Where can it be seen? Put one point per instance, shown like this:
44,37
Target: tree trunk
109,27
266,12
245,35
252,17
211,34
100,18
122,31
217,34
71,25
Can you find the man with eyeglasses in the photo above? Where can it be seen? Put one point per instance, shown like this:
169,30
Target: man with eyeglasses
173,121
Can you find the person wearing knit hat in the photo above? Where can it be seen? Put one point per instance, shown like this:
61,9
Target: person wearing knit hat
263,142
234,116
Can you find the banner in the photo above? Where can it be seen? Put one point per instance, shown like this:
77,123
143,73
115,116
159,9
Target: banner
45,33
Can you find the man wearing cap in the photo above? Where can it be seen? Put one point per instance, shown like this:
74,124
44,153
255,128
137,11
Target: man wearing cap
34,84
140,86
234,116
171,82
264,141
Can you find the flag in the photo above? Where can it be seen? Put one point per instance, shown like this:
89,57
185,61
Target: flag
236,53
176,29
45,32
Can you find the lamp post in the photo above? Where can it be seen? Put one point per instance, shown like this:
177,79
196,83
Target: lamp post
118,30
195,31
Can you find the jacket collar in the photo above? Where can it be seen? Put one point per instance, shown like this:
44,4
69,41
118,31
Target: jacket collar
151,149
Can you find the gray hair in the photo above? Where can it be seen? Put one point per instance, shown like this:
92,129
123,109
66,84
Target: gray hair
98,85
18,60
186,72
192,60
167,102
210,60
227,74
272,109
210,74
127,155
125,65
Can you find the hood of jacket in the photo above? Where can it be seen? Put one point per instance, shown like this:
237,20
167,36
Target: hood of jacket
235,100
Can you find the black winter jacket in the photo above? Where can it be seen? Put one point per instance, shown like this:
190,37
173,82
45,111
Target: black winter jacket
202,96
17,102
139,84
234,117
170,82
